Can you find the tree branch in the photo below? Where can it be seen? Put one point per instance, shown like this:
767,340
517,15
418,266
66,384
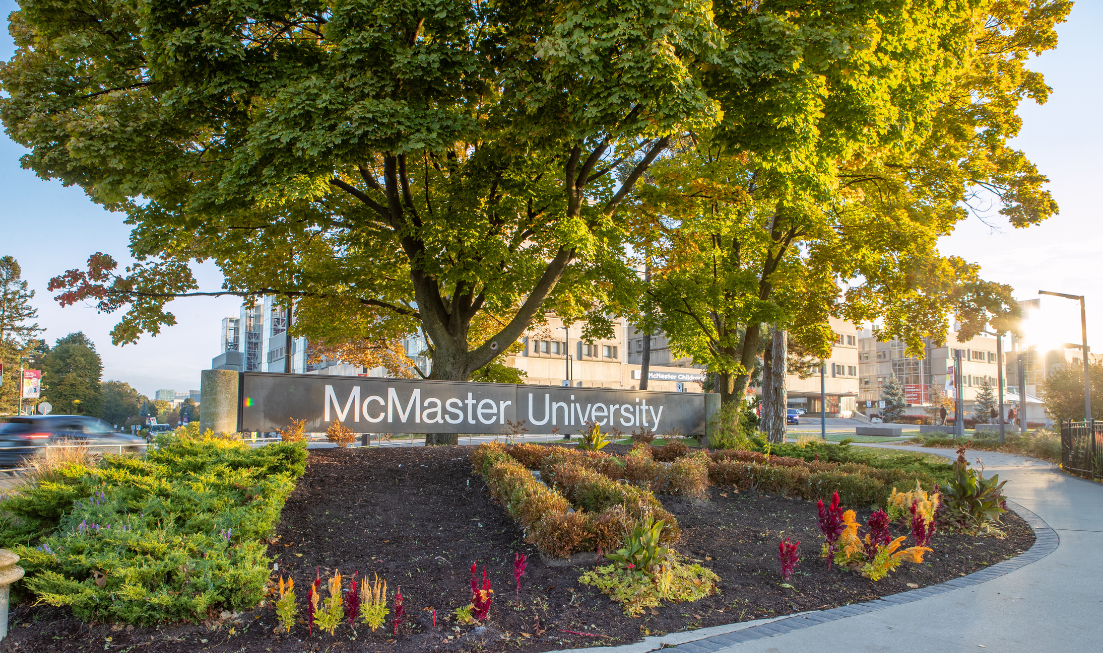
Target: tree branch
636,173
363,197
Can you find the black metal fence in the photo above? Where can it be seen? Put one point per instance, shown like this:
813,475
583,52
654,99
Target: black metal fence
1082,448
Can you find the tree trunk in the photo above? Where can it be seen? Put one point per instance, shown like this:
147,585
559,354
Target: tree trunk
766,422
436,439
752,340
777,407
645,359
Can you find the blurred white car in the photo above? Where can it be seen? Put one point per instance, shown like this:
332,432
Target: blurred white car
875,420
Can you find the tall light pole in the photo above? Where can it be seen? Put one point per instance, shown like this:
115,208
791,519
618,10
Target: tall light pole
1084,349
567,350
999,376
823,401
1022,393
959,399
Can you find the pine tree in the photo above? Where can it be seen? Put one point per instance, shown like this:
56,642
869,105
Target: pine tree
985,402
895,403
18,333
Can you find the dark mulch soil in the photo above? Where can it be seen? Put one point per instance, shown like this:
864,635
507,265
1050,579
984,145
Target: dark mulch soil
418,517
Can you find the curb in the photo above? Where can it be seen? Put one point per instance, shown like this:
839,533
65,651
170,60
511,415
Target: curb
1046,542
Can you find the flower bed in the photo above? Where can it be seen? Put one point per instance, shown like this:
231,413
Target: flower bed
170,537
418,518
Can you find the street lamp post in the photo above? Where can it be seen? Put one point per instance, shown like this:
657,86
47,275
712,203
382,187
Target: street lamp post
999,376
823,401
1022,393
1084,349
567,350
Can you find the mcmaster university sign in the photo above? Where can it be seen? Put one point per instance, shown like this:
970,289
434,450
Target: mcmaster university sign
376,405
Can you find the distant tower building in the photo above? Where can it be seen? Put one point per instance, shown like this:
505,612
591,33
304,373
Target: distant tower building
165,395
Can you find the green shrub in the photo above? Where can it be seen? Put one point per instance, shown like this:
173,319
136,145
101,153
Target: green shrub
728,430
857,485
689,476
167,538
972,502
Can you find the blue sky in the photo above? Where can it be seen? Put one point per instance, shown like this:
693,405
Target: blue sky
49,228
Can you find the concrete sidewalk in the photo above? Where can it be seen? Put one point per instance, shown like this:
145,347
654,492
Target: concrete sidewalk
1051,603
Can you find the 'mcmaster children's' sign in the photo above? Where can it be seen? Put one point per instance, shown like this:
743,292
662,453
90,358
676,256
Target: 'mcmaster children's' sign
371,405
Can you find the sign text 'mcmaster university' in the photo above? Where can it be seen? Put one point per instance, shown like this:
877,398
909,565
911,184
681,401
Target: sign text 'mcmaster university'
373,405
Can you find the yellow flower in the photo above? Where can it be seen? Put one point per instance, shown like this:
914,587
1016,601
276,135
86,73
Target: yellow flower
911,554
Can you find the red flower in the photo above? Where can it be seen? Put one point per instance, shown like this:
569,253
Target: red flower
788,556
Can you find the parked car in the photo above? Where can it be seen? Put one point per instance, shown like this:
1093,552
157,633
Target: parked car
875,420
792,416
24,436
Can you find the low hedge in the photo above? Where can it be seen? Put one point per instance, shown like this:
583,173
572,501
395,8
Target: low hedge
603,510
857,485
165,538
686,476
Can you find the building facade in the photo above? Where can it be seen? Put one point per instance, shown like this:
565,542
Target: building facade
553,355
839,380
880,361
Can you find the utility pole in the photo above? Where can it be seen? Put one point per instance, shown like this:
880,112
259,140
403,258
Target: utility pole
823,401
999,372
1022,393
645,358
567,351
959,399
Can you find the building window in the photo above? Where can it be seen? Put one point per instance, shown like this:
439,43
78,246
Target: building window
838,338
850,371
543,346
639,345
850,340
991,357
555,348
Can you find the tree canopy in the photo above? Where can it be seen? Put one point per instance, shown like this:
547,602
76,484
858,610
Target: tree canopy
1063,390
844,221
71,374
461,167
120,402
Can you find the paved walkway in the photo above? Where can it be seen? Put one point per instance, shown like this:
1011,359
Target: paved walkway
1049,599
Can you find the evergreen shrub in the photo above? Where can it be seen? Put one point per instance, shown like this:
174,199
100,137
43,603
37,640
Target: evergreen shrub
170,537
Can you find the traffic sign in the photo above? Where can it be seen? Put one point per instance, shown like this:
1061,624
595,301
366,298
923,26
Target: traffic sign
44,408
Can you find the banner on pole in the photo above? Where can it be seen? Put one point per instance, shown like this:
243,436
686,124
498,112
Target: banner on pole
32,384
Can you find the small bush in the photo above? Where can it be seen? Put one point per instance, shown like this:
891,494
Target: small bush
295,432
670,452
913,419
340,434
643,435
729,428
689,476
